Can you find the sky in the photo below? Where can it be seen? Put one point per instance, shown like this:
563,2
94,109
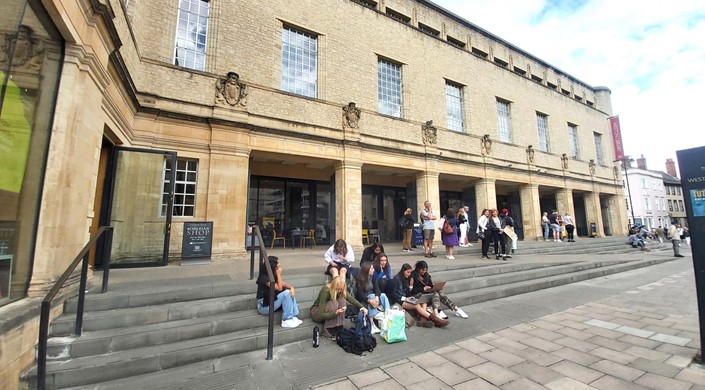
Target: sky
650,54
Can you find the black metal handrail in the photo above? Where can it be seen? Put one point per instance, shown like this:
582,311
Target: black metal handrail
46,302
256,234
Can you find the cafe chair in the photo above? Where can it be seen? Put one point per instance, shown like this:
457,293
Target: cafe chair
366,236
275,238
311,237
374,235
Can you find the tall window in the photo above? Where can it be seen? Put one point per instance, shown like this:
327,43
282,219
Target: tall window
454,106
299,62
191,31
670,205
573,140
504,117
542,124
647,203
680,204
644,183
389,88
184,187
598,149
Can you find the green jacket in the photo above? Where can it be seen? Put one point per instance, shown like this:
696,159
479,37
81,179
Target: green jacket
324,297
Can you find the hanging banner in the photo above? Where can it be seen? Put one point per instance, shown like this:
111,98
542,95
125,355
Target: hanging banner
616,138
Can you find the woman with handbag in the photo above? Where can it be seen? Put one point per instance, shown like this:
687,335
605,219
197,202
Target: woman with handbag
483,233
401,295
449,235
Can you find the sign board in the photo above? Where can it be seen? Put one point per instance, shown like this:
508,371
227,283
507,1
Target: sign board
692,169
198,240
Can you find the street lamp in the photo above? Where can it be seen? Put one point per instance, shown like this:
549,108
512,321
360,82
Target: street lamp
624,161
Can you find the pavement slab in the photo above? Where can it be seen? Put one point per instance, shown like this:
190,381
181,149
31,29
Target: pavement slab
659,382
494,373
576,371
568,384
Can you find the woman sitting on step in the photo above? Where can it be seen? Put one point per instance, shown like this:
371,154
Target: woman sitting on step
401,295
368,292
383,273
423,285
330,306
285,294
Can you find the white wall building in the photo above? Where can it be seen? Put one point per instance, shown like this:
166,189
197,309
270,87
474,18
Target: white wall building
648,196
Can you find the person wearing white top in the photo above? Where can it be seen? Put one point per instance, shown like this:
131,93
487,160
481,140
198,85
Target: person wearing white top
546,225
339,257
569,226
482,228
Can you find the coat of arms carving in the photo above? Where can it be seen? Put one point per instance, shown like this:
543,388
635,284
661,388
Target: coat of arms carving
429,134
485,145
23,49
351,116
564,161
592,166
231,91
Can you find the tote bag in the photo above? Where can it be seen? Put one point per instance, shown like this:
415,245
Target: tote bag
393,326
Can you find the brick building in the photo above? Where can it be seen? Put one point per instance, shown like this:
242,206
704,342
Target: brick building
292,117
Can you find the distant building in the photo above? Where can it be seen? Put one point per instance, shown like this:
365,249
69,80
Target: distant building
674,194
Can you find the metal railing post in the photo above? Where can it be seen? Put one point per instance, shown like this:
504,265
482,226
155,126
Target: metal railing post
252,256
81,296
107,253
42,347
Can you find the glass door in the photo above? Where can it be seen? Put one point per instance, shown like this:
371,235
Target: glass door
140,206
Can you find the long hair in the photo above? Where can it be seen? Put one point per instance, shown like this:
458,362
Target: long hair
421,264
340,247
333,287
377,245
363,278
404,267
377,265
450,213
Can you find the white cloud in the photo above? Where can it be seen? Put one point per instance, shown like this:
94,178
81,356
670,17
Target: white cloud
650,54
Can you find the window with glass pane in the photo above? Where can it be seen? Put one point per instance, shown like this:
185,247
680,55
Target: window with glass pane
505,124
191,32
542,123
184,187
573,140
299,62
454,106
389,88
598,149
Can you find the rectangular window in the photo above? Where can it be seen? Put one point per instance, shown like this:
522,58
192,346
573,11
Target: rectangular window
299,62
658,204
504,116
184,187
670,205
398,16
389,88
644,184
367,3
627,202
542,123
680,205
668,190
455,42
429,30
479,52
678,190
573,140
191,32
598,149
647,203
501,63
454,106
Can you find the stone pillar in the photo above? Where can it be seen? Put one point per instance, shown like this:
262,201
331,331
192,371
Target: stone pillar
531,212
564,201
617,215
427,190
348,202
228,176
485,195
593,213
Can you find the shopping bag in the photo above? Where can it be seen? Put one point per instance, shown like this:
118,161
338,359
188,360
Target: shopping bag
393,326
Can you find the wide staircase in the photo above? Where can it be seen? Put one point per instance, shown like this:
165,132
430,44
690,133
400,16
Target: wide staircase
140,329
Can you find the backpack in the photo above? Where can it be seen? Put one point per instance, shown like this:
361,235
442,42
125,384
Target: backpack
359,339
402,222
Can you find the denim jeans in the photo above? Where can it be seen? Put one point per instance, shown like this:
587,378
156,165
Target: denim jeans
284,301
545,231
383,301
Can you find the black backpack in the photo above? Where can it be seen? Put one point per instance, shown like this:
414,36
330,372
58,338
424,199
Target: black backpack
359,339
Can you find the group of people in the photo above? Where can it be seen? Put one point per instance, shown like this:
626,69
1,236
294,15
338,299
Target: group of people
494,228
372,289
554,225
677,234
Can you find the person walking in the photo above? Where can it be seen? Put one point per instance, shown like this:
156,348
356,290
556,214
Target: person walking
675,239
429,229
569,226
660,233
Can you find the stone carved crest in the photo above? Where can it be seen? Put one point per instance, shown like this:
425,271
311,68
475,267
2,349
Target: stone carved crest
530,152
592,167
22,49
485,145
351,116
615,172
564,161
429,133
231,91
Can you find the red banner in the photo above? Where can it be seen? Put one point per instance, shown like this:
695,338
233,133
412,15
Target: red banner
616,138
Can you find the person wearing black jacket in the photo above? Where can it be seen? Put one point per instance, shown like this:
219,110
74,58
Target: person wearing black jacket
369,253
369,293
402,286
407,230
423,285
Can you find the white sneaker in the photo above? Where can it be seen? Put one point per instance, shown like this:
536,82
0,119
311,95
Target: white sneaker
460,313
450,257
297,320
469,244
548,239
442,315
374,329
290,323
379,316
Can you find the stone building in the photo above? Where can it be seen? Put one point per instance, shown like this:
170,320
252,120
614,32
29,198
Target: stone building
293,116
674,194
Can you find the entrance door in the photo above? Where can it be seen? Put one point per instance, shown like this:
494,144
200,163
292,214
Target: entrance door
140,206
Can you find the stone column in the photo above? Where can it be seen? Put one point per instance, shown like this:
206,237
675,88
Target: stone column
564,201
485,195
531,211
348,202
593,213
227,195
617,215
427,190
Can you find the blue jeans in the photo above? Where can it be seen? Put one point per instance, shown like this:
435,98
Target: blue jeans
284,301
545,231
383,301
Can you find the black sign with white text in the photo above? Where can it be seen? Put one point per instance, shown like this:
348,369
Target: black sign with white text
198,239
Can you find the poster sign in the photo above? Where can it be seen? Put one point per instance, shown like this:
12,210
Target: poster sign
198,240
691,163
616,138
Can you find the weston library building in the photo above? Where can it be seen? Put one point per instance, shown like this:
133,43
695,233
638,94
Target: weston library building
300,117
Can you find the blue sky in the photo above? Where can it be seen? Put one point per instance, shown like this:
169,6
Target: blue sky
650,54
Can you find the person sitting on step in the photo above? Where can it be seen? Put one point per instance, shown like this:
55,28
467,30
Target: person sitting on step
330,306
368,292
340,258
368,255
284,292
423,285
401,295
